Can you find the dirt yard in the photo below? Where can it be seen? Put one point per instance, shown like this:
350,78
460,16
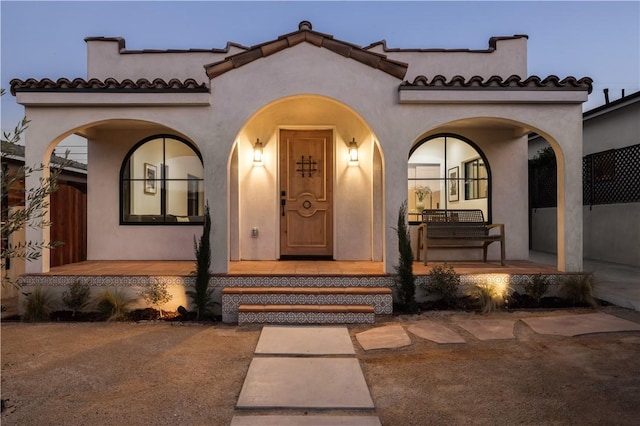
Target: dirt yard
162,373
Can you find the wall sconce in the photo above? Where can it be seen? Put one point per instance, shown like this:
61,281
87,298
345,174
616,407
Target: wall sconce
257,153
353,152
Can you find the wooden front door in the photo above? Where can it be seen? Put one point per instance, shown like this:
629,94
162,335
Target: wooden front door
306,193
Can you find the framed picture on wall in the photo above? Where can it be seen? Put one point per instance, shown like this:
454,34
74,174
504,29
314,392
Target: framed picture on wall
454,187
150,172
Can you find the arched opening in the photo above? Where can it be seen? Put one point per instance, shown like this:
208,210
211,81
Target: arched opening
354,188
448,171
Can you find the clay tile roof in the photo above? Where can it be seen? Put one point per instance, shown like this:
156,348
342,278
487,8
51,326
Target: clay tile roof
551,82
306,34
158,85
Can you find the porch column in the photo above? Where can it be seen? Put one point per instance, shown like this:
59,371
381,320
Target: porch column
34,153
216,194
570,226
395,193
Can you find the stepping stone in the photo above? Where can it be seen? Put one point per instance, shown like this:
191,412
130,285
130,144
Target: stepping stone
489,329
287,382
436,332
278,340
387,337
575,325
311,420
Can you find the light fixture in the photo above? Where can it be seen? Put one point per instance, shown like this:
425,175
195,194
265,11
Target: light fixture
257,153
353,152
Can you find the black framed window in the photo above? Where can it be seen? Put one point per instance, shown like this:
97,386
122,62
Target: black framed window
476,182
162,182
440,168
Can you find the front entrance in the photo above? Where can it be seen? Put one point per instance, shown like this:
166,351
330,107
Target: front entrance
306,194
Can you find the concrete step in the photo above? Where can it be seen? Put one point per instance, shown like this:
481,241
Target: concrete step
380,298
306,314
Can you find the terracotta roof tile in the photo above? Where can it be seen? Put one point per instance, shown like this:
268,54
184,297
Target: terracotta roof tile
513,82
110,84
306,34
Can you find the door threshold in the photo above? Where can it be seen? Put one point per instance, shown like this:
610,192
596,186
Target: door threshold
305,257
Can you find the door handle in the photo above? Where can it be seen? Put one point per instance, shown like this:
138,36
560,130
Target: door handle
283,201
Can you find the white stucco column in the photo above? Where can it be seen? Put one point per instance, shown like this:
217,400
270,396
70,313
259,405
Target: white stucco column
570,229
216,194
395,194
35,149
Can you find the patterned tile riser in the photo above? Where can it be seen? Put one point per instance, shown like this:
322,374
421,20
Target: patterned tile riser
305,318
382,303
262,281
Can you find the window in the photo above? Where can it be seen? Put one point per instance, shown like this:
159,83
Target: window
162,183
440,169
475,180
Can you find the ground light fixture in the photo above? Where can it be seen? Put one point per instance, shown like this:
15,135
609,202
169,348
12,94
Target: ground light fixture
353,152
258,153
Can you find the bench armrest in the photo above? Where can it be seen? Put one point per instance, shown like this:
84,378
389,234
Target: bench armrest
497,225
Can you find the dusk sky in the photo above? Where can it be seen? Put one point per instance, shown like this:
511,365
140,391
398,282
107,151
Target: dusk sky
600,40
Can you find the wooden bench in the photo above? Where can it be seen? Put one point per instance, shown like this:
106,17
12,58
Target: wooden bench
443,229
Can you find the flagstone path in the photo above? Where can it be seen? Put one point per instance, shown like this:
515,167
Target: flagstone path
314,368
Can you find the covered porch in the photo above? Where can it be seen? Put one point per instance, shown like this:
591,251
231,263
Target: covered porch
183,268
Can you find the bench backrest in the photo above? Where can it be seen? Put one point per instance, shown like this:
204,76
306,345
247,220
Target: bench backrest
455,223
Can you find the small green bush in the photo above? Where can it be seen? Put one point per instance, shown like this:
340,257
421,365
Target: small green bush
156,294
38,305
536,287
114,306
76,297
578,289
445,282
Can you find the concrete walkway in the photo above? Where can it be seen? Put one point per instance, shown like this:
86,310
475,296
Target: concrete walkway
306,367
615,283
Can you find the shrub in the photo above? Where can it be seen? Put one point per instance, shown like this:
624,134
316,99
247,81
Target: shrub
156,294
536,287
405,280
490,297
76,297
578,289
445,282
38,305
114,306
202,295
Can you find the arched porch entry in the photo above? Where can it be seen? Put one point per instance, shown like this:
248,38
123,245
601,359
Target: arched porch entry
502,145
346,202
108,142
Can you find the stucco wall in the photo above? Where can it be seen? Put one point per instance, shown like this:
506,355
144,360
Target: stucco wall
611,232
106,238
615,129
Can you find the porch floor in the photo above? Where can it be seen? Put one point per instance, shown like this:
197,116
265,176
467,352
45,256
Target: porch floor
293,267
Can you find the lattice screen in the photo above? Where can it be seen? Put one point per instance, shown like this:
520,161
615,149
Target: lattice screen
612,176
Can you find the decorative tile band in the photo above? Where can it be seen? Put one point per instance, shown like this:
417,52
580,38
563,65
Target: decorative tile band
267,281
306,318
382,303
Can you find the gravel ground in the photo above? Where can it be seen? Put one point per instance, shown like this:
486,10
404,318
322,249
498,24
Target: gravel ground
160,373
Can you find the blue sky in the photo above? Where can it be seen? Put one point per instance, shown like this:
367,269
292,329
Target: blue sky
600,40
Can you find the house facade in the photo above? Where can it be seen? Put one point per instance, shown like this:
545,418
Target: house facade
305,146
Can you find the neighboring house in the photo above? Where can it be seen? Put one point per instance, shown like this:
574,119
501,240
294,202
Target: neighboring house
68,209
305,145
611,185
